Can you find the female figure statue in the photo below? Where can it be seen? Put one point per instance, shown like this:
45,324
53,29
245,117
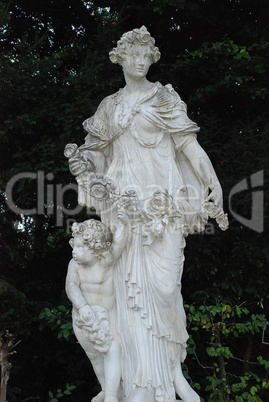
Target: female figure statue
141,150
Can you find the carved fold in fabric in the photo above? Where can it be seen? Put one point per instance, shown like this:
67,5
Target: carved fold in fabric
138,164
149,180
146,278
160,106
133,146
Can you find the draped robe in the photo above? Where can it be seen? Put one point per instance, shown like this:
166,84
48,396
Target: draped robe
151,321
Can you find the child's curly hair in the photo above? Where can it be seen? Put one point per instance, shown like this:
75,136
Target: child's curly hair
95,234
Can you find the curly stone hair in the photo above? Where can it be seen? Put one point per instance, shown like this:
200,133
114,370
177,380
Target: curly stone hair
95,234
135,37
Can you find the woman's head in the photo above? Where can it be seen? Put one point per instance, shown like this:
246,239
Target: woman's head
132,40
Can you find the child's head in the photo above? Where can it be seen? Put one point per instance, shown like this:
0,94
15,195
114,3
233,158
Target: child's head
94,235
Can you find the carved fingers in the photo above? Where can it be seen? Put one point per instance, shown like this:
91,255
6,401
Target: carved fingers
214,201
79,160
215,196
86,314
122,216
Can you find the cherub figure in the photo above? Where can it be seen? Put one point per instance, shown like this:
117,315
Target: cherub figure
90,287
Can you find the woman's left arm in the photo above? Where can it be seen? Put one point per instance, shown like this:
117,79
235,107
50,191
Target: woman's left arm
203,168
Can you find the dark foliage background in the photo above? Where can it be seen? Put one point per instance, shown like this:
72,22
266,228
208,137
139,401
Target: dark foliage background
54,73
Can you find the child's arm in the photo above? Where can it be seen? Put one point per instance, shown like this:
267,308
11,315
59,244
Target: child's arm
121,235
74,293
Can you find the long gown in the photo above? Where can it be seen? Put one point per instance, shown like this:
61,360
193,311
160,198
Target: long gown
142,152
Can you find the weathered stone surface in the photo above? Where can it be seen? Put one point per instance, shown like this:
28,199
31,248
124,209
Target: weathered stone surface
152,184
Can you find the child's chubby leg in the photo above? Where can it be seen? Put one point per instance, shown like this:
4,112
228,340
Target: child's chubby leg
97,361
112,368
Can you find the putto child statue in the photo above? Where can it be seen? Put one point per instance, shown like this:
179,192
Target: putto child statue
90,287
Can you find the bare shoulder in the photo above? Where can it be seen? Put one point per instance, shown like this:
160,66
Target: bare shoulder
72,266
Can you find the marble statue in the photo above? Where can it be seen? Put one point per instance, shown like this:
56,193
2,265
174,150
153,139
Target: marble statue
141,156
90,287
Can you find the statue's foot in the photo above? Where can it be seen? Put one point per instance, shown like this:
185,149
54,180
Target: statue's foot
99,398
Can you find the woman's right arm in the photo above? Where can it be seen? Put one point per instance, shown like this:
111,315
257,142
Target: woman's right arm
91,156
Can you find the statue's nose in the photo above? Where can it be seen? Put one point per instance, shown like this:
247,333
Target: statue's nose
141,61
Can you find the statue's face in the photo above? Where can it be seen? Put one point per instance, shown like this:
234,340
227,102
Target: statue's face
81,252
137,62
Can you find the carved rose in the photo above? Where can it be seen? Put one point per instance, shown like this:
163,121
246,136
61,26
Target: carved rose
221,217
70,150
137,35
129,200
223,222
160,203
99,187
97,330
157,228
99,191
144,35
211,209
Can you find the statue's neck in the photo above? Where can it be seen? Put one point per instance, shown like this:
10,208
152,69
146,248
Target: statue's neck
136,86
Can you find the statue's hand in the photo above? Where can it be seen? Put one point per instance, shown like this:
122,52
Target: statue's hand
122,216
77,166
86,314
215,199
79,161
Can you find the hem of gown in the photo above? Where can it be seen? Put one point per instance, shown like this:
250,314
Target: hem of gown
159,394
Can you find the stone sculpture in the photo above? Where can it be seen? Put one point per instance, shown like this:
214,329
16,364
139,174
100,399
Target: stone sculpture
141,156
90,287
